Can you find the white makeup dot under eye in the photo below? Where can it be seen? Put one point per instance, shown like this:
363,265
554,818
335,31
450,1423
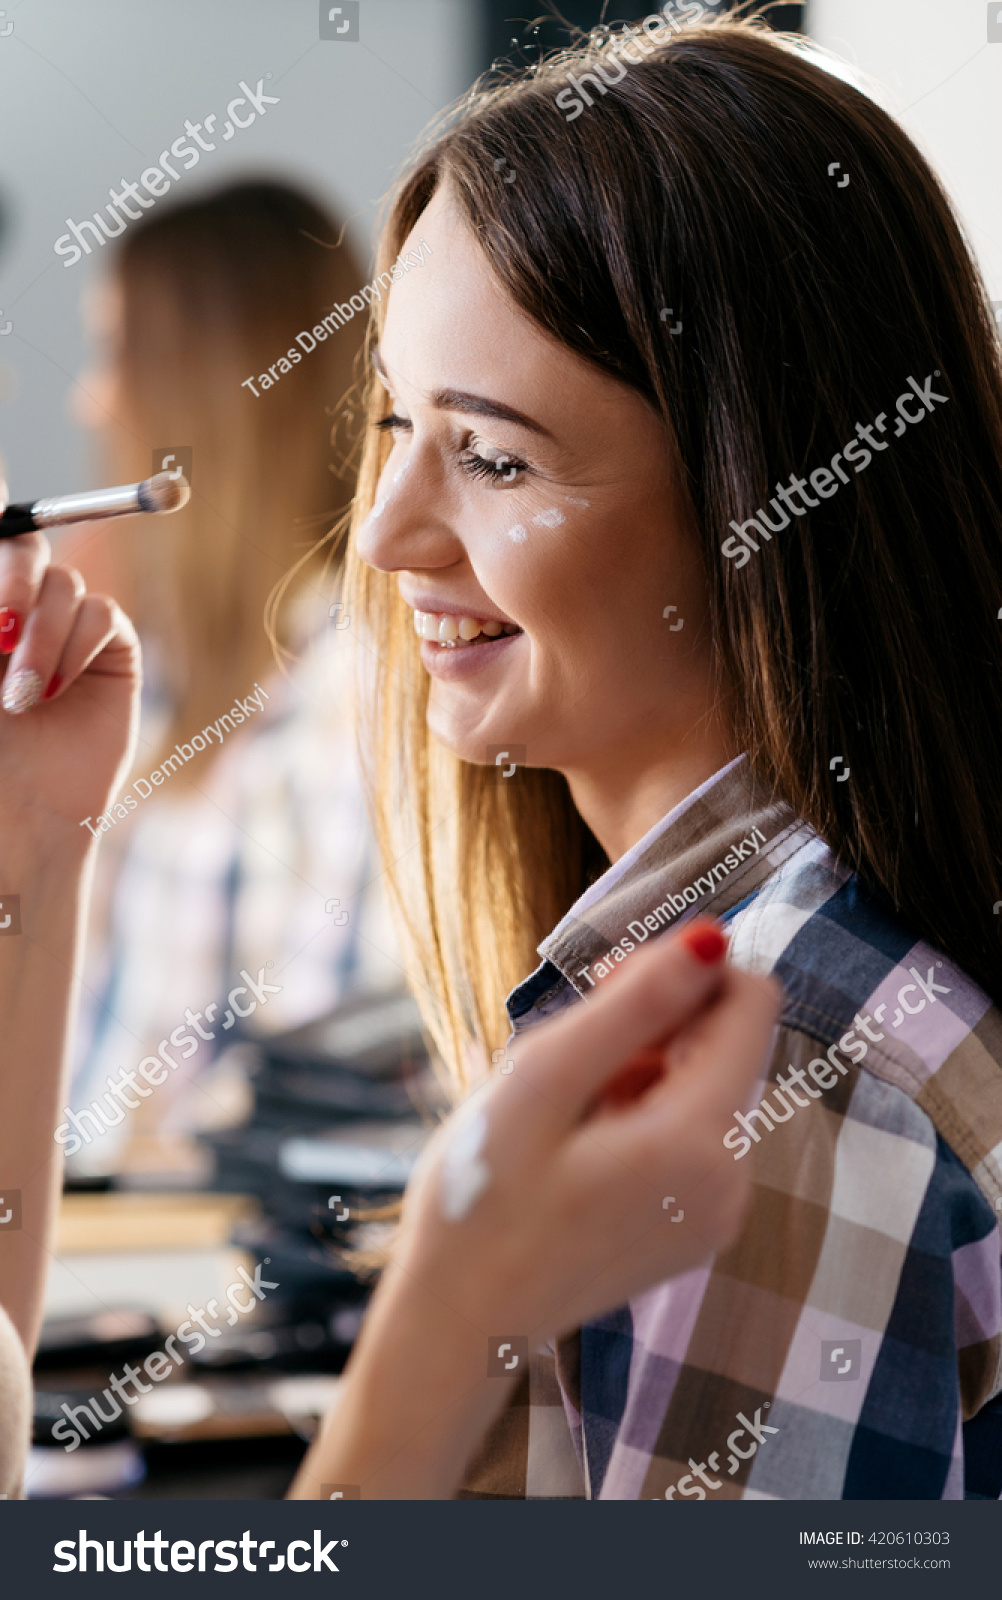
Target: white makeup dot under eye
551,518
518,534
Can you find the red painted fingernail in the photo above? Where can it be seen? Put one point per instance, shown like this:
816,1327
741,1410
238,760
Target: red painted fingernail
705,941
53,688
10,630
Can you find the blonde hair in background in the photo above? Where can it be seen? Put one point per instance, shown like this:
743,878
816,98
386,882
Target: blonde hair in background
212,293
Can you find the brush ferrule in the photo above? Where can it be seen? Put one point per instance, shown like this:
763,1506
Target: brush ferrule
119,502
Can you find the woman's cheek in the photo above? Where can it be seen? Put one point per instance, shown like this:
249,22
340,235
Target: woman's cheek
521,530
524,548
526,525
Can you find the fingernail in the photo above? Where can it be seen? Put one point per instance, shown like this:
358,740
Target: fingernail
705,941
21,690
53,688
10,630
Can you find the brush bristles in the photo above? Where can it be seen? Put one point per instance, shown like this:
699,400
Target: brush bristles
164,493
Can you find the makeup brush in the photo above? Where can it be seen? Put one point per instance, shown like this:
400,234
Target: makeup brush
159,494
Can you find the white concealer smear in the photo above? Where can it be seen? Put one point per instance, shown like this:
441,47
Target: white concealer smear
572,502
464,1173
384,499
518,534
377,511
551,518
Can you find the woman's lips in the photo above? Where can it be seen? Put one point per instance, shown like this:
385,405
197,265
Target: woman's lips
445,663
455,644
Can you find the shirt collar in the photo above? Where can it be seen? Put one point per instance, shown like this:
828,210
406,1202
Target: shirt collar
712,850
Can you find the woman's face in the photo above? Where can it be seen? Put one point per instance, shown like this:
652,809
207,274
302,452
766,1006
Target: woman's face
528,489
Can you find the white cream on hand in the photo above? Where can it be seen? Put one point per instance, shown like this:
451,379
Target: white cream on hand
464,1174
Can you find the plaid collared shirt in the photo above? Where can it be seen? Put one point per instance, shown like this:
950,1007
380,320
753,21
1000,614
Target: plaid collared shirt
847,1346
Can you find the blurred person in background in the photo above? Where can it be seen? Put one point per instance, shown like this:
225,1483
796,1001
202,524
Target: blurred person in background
252,830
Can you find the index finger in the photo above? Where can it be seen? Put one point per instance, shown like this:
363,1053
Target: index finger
711,1084
567,1061
23,561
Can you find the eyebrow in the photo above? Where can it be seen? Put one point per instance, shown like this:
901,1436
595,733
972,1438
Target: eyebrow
476,405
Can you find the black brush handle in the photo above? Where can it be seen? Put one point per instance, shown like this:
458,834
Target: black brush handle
15,520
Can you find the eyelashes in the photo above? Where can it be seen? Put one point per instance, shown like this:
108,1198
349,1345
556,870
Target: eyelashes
503,468
391,423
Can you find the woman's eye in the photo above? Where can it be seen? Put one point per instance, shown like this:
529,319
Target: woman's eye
497,469
392,423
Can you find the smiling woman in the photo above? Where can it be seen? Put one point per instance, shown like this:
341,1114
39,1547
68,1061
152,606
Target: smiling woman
552,473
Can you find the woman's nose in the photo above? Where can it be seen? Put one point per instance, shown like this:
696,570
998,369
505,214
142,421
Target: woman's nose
406,529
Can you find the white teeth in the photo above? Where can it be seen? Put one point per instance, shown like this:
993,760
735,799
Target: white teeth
451,631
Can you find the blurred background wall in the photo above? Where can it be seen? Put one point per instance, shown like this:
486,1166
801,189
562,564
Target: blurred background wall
91,93
940,75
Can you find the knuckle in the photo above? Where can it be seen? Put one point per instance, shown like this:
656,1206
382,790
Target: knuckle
58,585
23,561
652,998
101,611
761,992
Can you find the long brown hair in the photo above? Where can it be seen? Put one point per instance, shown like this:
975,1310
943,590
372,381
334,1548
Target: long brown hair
867,629
214,292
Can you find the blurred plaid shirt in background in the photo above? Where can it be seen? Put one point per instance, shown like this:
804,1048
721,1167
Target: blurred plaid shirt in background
267,863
